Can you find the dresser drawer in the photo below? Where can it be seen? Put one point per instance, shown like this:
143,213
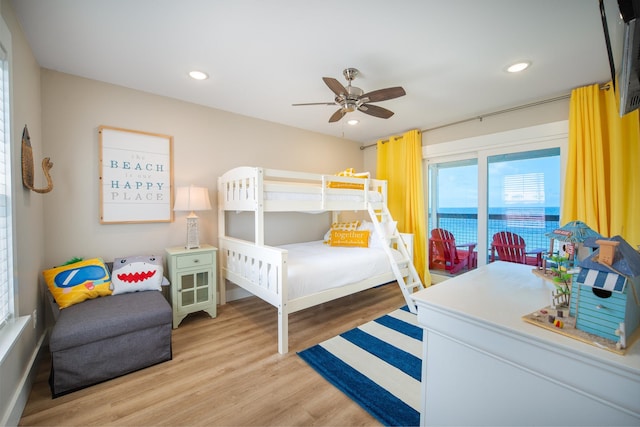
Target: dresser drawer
195,260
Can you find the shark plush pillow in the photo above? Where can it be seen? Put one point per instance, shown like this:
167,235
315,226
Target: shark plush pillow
137,273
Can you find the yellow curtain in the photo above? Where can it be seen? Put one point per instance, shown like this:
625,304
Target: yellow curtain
400,163
602,185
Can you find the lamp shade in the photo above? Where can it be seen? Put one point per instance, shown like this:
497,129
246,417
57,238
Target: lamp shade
192,199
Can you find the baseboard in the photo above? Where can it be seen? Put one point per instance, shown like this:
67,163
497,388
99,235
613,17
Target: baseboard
21,395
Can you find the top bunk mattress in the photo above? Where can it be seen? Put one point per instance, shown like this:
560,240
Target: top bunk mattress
316,266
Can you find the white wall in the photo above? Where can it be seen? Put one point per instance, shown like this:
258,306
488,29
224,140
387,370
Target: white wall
207,142
522,118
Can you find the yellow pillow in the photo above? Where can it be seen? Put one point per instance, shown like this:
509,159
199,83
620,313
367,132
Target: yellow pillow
74,283
347,172
351,173
350,238
351,225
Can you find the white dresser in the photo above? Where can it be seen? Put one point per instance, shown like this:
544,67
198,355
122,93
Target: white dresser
484,365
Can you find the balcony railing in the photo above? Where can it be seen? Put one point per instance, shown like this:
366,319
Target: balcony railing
531,226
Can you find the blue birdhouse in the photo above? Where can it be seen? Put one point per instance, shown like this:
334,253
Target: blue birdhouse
605,295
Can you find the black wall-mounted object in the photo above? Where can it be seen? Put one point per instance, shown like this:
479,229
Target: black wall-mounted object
622,36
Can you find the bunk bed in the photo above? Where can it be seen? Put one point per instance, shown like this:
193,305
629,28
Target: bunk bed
283,276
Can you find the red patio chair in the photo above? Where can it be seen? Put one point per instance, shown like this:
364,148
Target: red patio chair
445,255
510,247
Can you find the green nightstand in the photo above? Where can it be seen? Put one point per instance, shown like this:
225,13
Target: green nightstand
192,273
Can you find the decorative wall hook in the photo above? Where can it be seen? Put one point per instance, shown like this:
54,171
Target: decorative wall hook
27,165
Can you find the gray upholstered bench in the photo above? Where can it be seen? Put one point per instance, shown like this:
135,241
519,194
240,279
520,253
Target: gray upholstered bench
107,337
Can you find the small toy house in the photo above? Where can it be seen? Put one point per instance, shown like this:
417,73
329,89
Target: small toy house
605,295
571,237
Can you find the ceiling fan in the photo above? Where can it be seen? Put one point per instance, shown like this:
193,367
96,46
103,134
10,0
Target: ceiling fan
353,98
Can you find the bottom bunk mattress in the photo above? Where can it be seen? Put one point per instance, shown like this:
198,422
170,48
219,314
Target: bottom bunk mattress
316,266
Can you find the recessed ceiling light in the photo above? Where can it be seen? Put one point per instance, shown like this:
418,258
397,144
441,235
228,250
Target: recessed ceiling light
519,66
353,122
198,75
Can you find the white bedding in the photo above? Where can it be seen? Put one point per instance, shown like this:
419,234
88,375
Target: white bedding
315,266
298,191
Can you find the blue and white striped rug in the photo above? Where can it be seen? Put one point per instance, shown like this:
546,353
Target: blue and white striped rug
378,365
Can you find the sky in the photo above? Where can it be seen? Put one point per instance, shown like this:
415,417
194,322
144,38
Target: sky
532,181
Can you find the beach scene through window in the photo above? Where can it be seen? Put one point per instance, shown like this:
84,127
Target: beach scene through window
523,196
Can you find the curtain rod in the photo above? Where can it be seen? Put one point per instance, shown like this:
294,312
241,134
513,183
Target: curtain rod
495,113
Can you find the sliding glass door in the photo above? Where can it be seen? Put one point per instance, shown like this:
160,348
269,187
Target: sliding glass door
502,182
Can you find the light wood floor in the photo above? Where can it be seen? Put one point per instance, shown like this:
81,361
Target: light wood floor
226,372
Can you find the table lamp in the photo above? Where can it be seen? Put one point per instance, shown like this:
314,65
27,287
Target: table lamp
192,199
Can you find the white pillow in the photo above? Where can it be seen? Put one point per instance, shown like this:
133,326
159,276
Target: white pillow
137,273
387,228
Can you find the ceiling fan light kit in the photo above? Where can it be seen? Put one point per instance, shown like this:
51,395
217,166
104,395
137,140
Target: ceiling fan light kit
352,98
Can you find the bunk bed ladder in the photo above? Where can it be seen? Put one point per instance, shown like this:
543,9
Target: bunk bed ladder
411,283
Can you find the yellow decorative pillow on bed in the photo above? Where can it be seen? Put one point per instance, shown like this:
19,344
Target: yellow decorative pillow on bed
351,225
350,172
73,283
350,238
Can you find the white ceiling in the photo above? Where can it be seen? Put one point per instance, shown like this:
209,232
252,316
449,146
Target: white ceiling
263,56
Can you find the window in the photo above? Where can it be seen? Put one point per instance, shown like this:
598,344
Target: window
6,221
501,182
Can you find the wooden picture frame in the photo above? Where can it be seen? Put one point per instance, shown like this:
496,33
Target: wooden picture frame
136,176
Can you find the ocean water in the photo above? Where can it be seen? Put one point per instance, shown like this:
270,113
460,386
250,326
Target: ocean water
532,223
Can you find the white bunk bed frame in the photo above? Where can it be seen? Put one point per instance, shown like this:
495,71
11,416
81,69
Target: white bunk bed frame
264,272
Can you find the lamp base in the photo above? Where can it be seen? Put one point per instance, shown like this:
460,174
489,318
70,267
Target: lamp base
193,239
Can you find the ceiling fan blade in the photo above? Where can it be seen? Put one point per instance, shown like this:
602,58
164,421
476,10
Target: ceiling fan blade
335,85
337,116
374,110
384,94
314,103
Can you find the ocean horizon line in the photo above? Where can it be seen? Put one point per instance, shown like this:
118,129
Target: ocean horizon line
549,210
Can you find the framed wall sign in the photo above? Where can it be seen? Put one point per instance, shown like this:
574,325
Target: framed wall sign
136,176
